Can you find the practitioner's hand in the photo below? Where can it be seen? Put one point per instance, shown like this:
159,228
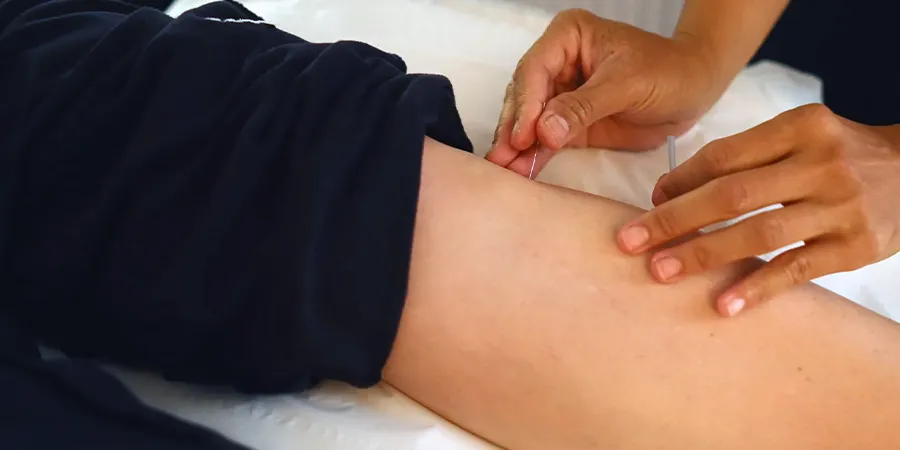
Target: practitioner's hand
839,182
604,84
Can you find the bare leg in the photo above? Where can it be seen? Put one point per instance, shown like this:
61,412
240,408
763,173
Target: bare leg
525,325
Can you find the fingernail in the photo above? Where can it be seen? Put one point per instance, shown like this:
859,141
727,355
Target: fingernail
667,267
559,128
515,130
734,305
634,237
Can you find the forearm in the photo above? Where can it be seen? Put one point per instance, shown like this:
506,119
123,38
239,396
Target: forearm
526,325
727,32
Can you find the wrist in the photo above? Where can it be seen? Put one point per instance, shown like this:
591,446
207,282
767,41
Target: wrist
890,133
705,66
726,33
715,65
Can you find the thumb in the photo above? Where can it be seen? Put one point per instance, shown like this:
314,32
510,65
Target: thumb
570,114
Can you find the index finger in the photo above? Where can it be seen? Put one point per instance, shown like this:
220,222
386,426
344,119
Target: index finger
756,147
501,152
530,92
724,198
533,79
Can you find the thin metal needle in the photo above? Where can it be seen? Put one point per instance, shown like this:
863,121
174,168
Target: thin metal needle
533,162
671,143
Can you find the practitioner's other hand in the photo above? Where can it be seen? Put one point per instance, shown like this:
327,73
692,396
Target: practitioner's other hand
839,182
592,82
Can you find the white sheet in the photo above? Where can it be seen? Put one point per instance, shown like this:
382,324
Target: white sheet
476,44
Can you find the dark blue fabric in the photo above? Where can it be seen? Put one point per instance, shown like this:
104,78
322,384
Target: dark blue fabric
161,5
61,404
852,45
207,197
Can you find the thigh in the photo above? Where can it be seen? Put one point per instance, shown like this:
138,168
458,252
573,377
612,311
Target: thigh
526,325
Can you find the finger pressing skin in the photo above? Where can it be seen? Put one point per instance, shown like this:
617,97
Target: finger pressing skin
754,236
789,269
758,146
523,163
716,201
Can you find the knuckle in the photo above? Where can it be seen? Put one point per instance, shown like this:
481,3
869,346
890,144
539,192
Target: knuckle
859,214
580,107
812,109
843,172
823,121
771,233
501,133
526,66
666,222
868,246
570,21
510,89
809,112
799,270
838,161
518,72
702,257
622,51
734,197
850,225
574,13
518,98
719,155
515,90
507,109
856,217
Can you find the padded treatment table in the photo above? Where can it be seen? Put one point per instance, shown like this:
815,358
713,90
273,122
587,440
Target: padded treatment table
476,44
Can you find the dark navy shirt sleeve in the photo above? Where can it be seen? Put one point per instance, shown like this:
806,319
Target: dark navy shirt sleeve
208,197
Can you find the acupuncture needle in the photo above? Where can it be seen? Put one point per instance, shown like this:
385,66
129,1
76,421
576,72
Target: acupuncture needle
534,158
671,144
533,163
